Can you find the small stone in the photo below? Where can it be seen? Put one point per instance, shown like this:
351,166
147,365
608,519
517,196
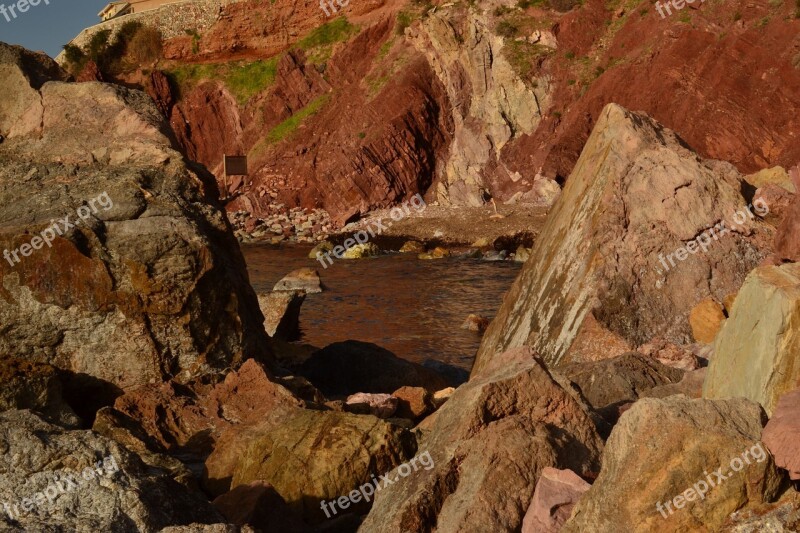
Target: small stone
705,320
412,247
413,402
380,405
476,323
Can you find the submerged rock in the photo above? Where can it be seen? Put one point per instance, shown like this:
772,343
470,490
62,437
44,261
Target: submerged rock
361,251
281,311
413,247
345,368
476,323
302,279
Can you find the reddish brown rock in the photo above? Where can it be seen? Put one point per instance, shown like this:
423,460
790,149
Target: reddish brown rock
191,418
557,492
90,72
413,402
670,354
782,434
778,200
476,323
159,89
787,241
488,445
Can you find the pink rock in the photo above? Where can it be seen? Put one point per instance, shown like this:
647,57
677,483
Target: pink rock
670,354
380,405
557,492
782,433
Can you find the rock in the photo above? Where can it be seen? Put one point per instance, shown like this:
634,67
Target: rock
345,368
436,253
414,403
777,198
36,386
670,354
90,72
489,444
771,176
181,419
302,279
692,438
453,375
441,396
557,492
379,405
360,251
705,319
690,385
336,452
321,248
281,311
787,240
619,380
595,342
204,528
492,255
637,194
24,73
522,254
782,434
482,242
476,323
257,504
756,351
99,482
150,284
413,247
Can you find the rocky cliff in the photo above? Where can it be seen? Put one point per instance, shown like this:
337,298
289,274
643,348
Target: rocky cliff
120,266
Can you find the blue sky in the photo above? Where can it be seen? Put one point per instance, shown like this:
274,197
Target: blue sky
48,27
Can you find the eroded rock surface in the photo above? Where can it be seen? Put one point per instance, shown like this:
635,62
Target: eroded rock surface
609,246
489,444
149,284
661,448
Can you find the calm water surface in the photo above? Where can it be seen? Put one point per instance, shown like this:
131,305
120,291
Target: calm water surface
412,308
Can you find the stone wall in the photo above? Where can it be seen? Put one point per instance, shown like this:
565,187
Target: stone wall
171,19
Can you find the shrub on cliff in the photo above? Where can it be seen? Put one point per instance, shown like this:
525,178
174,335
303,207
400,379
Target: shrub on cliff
145,46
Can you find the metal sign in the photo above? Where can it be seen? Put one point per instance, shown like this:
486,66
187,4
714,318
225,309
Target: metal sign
235,165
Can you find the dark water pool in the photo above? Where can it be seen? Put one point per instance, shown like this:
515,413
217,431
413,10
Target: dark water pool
413,308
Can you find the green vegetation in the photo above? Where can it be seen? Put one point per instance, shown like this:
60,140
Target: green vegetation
737,16
796,61
404,20
685,17
243,79
319,43
195,40
290,125
776,3
570,55
524,57
507,29
525,4
763,22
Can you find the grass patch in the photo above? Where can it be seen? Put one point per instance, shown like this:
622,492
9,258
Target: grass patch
243,79
290,125
319,43
524,57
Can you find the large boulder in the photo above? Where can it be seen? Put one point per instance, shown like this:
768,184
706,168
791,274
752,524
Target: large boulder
782,434
757,352
620,243
120,264
189,418
56,480
23,73
661,462
489,444
307,456
349,367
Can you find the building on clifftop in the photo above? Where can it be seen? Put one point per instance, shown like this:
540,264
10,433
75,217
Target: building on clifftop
117,9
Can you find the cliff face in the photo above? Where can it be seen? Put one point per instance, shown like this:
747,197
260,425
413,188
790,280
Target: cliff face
120,266
466,102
